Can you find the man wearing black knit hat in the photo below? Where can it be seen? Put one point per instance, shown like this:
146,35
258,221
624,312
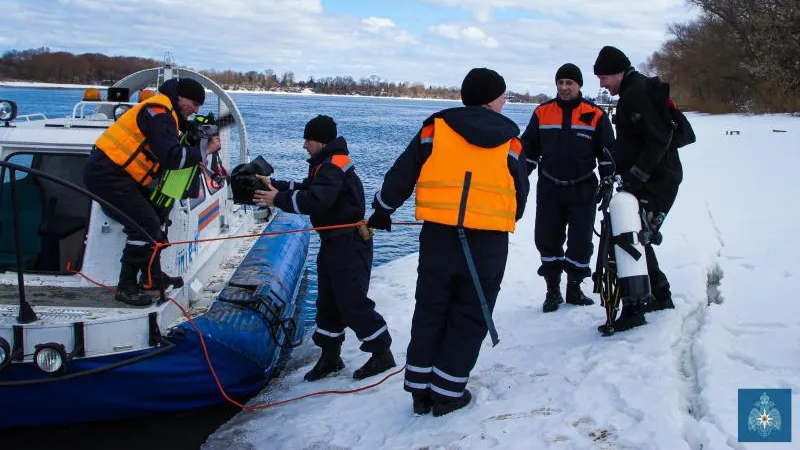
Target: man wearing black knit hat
471,185
121,167
566,136
647,158
332,194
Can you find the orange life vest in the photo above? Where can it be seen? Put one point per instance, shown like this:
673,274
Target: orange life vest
491,202
125,144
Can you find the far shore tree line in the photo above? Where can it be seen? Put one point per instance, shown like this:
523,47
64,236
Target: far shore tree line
269,80
43,65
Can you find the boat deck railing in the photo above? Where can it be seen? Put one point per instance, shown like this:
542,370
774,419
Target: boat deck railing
31,117
99,110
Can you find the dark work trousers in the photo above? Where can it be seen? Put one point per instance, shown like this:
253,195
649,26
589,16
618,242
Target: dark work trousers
448,326
659,285
565,213
344,264
116,187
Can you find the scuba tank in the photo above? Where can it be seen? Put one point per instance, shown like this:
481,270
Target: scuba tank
620,275
626,227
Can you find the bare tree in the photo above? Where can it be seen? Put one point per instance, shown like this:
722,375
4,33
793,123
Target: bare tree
736,56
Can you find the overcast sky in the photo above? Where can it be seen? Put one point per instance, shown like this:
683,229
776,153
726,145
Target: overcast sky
430,41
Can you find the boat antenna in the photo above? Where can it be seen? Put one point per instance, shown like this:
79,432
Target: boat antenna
166,71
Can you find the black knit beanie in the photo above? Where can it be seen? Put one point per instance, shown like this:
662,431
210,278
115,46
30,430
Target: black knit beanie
611,60
571,72
320,129
191,89
481,86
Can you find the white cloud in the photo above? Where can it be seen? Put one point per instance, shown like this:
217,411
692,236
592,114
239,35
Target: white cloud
623,11
404,37
300,36
470,33
476,35
446,31
375,24
481,9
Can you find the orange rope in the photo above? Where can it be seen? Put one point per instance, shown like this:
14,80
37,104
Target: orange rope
216,377
210,364
265,405
159,245
271,233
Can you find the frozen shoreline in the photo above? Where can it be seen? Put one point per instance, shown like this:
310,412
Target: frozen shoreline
32,84
305,92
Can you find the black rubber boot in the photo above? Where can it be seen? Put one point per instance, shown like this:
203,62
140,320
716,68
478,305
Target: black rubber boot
422,403
575,296
380,361
330,362
662,298
553,297
440,409
165,280
632,316
128,290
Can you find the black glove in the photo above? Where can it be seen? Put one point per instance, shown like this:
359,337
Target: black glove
603,190
631,184
652,225
378,221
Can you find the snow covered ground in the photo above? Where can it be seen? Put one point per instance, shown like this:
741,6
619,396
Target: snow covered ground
553,381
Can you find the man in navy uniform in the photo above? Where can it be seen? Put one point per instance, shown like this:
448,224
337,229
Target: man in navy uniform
332,194
471,184
565,137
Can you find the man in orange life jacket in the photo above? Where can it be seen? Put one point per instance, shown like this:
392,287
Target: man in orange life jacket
127,158
332,194
647,159
468,170
565,137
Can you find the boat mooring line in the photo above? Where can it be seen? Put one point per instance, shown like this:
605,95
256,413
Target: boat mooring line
159,245
210,364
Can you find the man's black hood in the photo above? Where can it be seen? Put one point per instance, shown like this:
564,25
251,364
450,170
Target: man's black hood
170,89
337,146
631,78
479,125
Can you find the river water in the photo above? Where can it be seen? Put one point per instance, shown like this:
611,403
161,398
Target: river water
377,131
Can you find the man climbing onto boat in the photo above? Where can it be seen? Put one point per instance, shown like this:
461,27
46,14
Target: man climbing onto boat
128,157
332,194
472,185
